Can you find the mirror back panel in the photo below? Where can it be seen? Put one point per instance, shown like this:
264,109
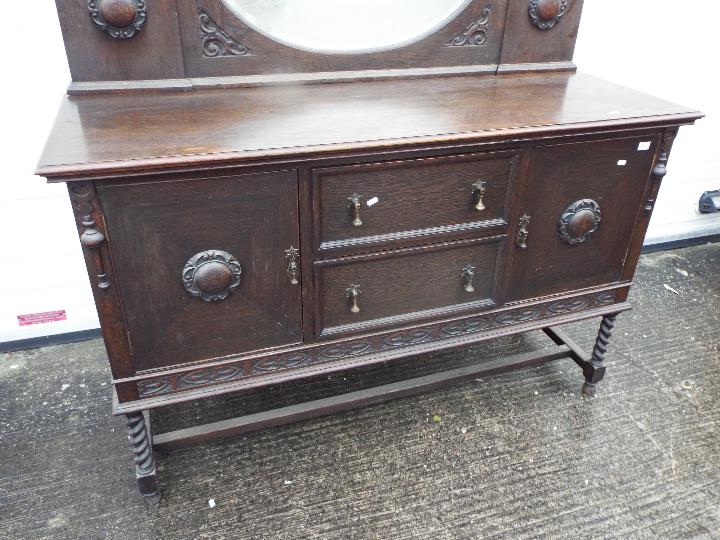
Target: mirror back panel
190,43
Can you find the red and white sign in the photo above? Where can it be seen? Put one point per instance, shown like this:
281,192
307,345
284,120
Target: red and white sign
41,318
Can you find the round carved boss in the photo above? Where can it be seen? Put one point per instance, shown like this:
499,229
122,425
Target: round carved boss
211,275
120,19
544,14
579,221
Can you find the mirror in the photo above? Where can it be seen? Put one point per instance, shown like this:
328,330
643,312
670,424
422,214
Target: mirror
346,26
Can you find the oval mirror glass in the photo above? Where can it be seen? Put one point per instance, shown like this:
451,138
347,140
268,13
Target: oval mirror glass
346,26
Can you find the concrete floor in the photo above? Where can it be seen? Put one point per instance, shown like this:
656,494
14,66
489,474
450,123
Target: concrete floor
520,455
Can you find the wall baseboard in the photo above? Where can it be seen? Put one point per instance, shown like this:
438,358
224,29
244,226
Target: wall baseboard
47,341
677,244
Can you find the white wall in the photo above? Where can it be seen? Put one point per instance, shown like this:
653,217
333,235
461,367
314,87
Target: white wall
652,45
669,49
41,264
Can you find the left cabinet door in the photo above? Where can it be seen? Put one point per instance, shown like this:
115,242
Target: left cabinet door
201,265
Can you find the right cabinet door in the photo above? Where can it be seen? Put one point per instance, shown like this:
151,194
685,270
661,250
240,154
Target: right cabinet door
582,200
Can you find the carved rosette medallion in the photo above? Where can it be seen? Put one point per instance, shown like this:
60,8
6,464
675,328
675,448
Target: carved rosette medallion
544,14
579,221
476,33
120,19
211,275
216,42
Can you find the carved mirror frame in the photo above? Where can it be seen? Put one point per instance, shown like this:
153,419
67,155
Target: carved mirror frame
216,43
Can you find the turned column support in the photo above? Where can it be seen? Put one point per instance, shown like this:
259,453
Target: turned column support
145,472
594,369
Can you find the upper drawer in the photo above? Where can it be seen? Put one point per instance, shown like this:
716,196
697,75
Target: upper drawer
394,202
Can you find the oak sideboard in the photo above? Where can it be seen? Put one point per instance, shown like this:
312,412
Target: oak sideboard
260,201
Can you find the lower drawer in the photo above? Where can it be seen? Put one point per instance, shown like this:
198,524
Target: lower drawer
390,288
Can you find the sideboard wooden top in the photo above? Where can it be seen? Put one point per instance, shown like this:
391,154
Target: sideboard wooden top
112,134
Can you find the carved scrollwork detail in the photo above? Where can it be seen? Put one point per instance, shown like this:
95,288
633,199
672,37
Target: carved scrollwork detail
155,387
518,316
405,339
579,221
567,306
467,326
240,369
216,42
119,19
268,365
605,299
211,275
205,376
545,14
476,33
345,350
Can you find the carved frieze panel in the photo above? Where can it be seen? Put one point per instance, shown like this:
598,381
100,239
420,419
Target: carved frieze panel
244,369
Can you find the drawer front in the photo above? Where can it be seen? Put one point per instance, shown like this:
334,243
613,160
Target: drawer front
583,200
398,201
390,288
183,299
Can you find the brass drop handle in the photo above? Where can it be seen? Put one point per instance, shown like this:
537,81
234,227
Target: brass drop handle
355,203
293,270
468,274
353,292
523,233
479,189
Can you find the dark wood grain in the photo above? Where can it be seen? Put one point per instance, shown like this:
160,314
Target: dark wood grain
272,57
88,216
407,199
203,43
119,133
241,236
399,286
644,213
560,175
154,229
153,53
327,359
556,44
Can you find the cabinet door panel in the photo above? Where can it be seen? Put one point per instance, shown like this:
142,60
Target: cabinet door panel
610,173
155,229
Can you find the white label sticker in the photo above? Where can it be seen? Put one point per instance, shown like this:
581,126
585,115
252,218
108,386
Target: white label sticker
622,162
373,201
643,146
